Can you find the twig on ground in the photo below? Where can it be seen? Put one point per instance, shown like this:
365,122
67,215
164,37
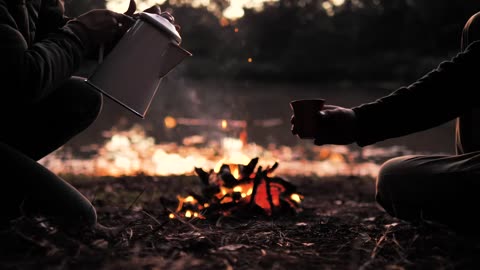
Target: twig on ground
136,199
152,217
152,232
379,243
376,249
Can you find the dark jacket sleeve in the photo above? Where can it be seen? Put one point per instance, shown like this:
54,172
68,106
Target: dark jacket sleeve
438,97
28,74
51,16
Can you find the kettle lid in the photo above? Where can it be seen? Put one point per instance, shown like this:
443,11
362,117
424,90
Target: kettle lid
161,23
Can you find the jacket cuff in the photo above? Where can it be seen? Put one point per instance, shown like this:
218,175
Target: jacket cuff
364,132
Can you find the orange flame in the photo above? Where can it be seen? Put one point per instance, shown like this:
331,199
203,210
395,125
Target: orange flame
238,186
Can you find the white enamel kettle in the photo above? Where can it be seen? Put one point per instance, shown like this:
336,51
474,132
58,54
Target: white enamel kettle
131,73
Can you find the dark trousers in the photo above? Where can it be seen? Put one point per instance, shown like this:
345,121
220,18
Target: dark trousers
27,135
441,189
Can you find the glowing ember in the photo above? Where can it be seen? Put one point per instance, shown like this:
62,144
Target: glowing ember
296,197
170,122
224,124
247,191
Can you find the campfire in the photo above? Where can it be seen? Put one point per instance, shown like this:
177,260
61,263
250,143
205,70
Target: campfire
242,191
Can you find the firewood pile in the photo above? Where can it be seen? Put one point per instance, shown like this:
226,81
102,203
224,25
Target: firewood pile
242,191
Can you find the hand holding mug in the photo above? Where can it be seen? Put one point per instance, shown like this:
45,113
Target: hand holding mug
305,117
326,124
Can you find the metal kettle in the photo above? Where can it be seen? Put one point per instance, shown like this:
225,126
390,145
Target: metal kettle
131,73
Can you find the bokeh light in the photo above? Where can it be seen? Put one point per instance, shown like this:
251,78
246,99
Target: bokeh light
235,10
122,5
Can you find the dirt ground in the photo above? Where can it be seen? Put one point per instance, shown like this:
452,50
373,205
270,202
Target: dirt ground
339,228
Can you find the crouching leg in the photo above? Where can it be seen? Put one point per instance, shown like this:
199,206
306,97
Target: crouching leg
441,189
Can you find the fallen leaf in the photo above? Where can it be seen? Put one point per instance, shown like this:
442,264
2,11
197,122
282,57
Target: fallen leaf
233,247
100,243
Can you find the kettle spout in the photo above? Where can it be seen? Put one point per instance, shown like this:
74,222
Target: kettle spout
173,56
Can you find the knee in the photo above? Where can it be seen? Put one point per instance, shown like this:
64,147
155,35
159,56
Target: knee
81,215
89,216
94,101
87,101
390,170
392,177
471,31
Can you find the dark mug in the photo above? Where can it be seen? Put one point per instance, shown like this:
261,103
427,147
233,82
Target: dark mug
305,112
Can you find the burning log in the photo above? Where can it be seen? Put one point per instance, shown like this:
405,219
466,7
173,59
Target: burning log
239,190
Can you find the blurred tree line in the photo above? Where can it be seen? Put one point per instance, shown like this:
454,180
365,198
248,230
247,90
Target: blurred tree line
316,40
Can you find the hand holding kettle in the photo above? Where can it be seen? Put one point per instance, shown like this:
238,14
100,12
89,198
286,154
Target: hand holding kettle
104,28
152,46
155,9
101,26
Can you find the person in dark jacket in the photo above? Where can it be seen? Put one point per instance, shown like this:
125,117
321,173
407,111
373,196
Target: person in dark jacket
418,188
43,106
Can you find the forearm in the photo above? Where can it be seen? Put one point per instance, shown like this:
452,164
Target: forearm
32,73
440,96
